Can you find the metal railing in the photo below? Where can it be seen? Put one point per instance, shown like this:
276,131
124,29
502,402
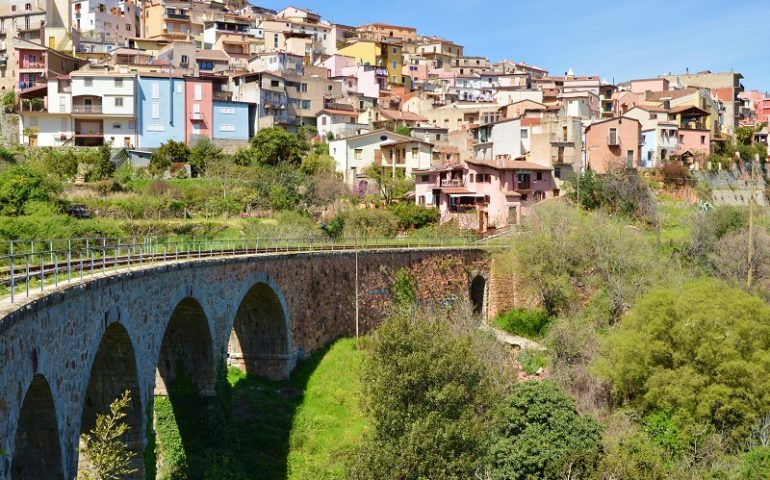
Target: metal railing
29,266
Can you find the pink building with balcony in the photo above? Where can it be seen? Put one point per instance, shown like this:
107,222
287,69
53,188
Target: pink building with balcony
199,111
613,144
32,66
485,194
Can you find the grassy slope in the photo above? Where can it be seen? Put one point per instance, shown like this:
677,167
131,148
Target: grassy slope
296,429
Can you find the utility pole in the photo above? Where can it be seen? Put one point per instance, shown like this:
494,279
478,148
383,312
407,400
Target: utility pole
751,223
356,254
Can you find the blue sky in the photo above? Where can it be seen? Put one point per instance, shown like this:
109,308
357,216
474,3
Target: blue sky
613,38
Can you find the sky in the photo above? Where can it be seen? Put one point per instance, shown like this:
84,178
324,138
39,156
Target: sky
616,39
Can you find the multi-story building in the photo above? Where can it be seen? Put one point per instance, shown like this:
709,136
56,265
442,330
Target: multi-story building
726,87
383,32
467,65
613,144
20,21
381,54
233,38
167,19
36,62
104,24
160,109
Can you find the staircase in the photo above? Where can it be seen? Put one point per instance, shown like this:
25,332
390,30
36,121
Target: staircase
119,156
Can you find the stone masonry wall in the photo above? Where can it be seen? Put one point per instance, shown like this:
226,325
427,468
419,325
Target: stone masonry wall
57,335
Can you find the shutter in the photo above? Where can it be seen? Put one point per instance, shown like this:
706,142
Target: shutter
155,90
198,92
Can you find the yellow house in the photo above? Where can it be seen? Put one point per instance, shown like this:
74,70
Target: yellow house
678,100
381,54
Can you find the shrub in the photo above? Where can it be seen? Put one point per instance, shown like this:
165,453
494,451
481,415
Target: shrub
371,223
410,215
541,435
526,323
19,185
274,145
675,174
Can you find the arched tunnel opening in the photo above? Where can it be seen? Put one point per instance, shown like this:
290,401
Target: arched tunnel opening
186,350
112,373
259,341
478,292
37,453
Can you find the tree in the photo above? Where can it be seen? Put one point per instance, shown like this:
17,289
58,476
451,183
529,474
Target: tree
103,168
169,152
699,353
730,261
20,185
318,164
429,389
201,154
392,185
8,101
108,457
541,435
410,215
275,145
404,130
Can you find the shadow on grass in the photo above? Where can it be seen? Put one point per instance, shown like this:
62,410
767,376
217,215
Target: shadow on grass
241,433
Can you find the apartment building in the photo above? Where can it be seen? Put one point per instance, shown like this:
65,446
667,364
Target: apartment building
167,19
20,21
233,37
385,55
104,24
160,107
383,32
726,85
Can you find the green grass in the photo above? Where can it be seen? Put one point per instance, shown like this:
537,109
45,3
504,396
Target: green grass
531,324
302,428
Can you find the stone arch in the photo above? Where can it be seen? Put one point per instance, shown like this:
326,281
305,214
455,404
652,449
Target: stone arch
187,344
37,453
114,371
478,294
260,339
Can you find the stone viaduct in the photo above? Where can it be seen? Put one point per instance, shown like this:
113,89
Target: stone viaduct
69,352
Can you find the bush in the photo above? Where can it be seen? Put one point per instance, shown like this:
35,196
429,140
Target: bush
526,323
370,223
410,215
274,145
19,185
675,174
541,435
617,193
698,352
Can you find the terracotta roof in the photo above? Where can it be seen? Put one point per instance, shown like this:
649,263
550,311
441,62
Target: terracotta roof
399,115
671,93
685,108
338,112
529,121
446,149
457,190
220,55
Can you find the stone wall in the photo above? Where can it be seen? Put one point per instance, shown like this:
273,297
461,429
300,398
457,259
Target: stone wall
186,311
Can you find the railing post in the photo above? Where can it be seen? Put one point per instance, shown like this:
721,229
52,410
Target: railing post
13,274
26,276
104,255
56,269
69,261
42,271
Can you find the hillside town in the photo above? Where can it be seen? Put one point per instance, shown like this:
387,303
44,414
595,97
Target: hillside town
483,139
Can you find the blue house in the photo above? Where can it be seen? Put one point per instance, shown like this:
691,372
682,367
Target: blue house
160,109
231,120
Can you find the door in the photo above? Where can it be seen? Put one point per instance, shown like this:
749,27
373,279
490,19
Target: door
88,103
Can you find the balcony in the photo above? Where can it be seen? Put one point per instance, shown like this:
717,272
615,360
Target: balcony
32,65
452,182
87,109
559,138
176,16
198,117
26,85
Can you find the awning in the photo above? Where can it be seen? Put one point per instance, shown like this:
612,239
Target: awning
460,195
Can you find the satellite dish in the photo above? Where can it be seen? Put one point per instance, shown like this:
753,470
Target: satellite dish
383,138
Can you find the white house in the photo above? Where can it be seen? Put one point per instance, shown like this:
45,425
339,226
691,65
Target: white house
341,123
87,109
381,148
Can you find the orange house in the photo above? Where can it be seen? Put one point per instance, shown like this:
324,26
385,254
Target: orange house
613,144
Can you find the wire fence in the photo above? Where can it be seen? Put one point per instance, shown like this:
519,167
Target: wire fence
35,265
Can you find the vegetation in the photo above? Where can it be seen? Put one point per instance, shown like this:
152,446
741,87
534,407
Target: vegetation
107,456
526,323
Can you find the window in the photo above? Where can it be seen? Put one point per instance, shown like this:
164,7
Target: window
155,90
128,27
681,138
630,159
27,6
226,127
198,92
303,87
394,64
275,40
557,172
178,88
324,121
26,23
471,178
88,82
155,127
305,104
274,83
131,125
227,110
613,136
155,110
702,139
118,83
524,134
415,153
523,197
185,60
62,104
358,154
117,126
118,101
539,176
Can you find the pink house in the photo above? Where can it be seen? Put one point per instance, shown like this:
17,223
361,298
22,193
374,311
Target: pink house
199,110
482,195
612,144
31,67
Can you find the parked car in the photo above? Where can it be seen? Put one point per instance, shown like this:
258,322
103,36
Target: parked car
78,211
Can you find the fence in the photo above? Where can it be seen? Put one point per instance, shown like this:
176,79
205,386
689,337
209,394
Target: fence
35,265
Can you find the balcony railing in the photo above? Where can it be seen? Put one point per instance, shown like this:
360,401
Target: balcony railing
561,138
26,85
452,182
177,16
35,65
79,108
